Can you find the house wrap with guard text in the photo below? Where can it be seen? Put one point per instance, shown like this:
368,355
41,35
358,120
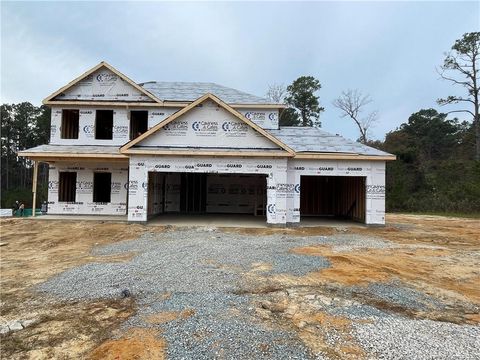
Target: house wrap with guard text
142,150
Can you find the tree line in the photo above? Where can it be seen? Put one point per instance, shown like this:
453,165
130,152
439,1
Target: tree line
438,157
23,126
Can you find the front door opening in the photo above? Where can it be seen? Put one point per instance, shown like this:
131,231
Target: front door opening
333,196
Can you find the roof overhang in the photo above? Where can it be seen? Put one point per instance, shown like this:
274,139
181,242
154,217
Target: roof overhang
171,104
59,156
208,152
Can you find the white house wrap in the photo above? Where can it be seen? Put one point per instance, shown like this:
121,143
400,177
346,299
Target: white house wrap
143,150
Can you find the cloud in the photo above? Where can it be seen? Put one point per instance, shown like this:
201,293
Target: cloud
387,49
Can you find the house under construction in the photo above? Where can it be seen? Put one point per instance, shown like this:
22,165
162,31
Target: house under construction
118,147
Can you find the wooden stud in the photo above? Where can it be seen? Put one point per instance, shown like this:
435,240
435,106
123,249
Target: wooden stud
79,103
233,105
344,156
34,186
181,152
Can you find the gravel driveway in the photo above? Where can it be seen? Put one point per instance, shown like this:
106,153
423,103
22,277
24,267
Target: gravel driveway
211,276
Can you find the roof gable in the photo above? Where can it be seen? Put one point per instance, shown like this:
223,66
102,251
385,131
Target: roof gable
208,123
102,83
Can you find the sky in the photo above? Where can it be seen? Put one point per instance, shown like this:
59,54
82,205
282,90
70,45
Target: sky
389,50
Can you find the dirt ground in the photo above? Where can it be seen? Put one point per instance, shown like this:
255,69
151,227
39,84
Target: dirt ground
34,250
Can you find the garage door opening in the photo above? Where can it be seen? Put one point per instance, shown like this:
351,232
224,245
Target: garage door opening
338,197
201,194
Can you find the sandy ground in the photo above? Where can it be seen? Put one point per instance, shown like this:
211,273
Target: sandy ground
35,250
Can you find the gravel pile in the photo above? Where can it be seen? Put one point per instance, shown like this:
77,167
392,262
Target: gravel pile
222,326
352,242
394,337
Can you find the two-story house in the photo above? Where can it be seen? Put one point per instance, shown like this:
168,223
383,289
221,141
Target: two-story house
142,150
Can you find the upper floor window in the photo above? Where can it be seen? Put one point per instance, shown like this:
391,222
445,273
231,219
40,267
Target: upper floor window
138,123
104,125
70,119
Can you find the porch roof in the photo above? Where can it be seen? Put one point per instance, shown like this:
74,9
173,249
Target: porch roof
47,152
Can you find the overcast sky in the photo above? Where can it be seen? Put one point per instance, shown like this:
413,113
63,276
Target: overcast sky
386,49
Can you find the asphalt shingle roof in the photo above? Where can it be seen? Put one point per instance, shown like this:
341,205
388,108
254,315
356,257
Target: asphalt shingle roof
190,91
312,139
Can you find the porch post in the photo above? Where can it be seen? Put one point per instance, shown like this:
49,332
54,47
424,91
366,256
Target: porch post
34,186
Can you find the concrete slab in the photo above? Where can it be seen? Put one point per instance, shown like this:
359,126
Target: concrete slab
213,220
207,220
116,218
240,220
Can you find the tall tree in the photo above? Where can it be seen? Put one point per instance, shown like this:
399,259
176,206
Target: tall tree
276,94
301,96
23,126
463,64
289,117
434,170
352,103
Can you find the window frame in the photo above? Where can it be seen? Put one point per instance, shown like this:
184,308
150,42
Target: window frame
62,192
95,190
63,127
133,129
103,119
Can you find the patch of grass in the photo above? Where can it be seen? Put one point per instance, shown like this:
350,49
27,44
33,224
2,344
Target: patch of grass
445,214
12,344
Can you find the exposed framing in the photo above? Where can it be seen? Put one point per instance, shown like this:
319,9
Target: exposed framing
343,156
181,152
200,100
54,156
58,156
235,106
163,104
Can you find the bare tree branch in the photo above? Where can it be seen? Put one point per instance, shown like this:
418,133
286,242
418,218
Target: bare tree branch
352,103
463,59
463,83
461,111
453,100
276,93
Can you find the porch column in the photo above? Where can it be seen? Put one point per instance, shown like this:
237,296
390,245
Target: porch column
34,186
